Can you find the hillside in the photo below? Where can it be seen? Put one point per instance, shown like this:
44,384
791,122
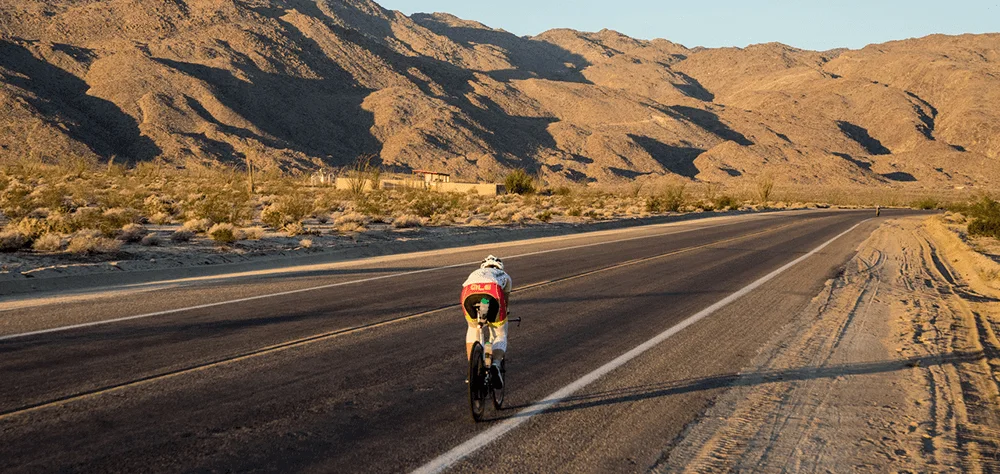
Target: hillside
308,83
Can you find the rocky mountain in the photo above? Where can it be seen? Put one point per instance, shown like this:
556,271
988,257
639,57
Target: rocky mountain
308,83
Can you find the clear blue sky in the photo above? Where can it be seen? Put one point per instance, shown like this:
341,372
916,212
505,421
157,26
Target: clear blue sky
807,24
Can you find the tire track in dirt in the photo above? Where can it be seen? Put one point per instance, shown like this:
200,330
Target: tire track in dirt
892,368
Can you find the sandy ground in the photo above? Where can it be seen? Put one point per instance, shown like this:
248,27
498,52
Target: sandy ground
893,368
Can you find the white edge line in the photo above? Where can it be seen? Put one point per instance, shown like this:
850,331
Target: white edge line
332,285
460,452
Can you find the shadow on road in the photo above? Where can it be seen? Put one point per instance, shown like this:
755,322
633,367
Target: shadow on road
651,391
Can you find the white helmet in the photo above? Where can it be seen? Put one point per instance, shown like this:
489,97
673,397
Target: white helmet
492,262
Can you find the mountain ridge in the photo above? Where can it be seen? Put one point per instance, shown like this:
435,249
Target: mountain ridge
311,83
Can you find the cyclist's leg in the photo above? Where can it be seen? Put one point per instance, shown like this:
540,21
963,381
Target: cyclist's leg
499,343
471,336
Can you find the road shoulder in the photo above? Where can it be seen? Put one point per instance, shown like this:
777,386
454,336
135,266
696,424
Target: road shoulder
891,368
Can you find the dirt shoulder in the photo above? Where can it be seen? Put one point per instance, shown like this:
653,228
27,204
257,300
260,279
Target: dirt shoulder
893,368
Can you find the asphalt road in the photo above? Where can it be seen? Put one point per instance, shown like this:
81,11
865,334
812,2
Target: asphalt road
360,367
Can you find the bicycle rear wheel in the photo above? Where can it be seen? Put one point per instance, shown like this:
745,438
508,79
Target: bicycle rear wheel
498,393
477,382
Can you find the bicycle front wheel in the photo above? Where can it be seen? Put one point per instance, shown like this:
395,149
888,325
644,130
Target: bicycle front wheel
478,390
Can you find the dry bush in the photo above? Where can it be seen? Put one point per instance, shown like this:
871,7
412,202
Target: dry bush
519,182
197,225
521,217
12,240
669,199
161,218
407,222
251,233
132,233
287,209
224,233
306,243
351,218
89,242
294,229
48,243
151,240
32,227
182,235
228,204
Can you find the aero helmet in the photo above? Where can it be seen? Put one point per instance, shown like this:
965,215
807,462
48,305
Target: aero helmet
492,262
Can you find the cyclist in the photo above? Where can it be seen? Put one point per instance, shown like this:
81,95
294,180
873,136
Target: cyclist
488,287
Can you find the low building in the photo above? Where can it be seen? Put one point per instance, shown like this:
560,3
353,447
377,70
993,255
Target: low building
421,179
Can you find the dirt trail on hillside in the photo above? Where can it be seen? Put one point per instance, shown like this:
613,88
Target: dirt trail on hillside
893,368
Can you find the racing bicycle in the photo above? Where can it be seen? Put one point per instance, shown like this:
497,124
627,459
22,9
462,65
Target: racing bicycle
481,383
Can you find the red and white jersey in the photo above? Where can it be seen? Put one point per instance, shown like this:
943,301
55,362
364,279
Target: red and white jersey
490,275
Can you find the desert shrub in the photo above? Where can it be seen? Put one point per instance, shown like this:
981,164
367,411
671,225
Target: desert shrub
151,240
89,242
48,243
287,209
118,217
427,203
251,233
724,202
670,199
562,191
351,218
306,243
14,200
154,205
407,222
32,227
223,233
161,218
225,205
927,203
985,215
519,182
544,216
182,235
520,217
12,240
197,225
294,229
765,186
364,174
132,233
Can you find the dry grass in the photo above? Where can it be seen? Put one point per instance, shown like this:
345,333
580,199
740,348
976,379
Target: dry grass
132,233
48,243
407,222
13,240
151,240
182,235
92,242
224,233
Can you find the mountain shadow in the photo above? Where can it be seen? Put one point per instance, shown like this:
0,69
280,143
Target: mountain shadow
100,124
900,176
692,88
677,160
531,58
708,121
860,164
313,116
861,136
